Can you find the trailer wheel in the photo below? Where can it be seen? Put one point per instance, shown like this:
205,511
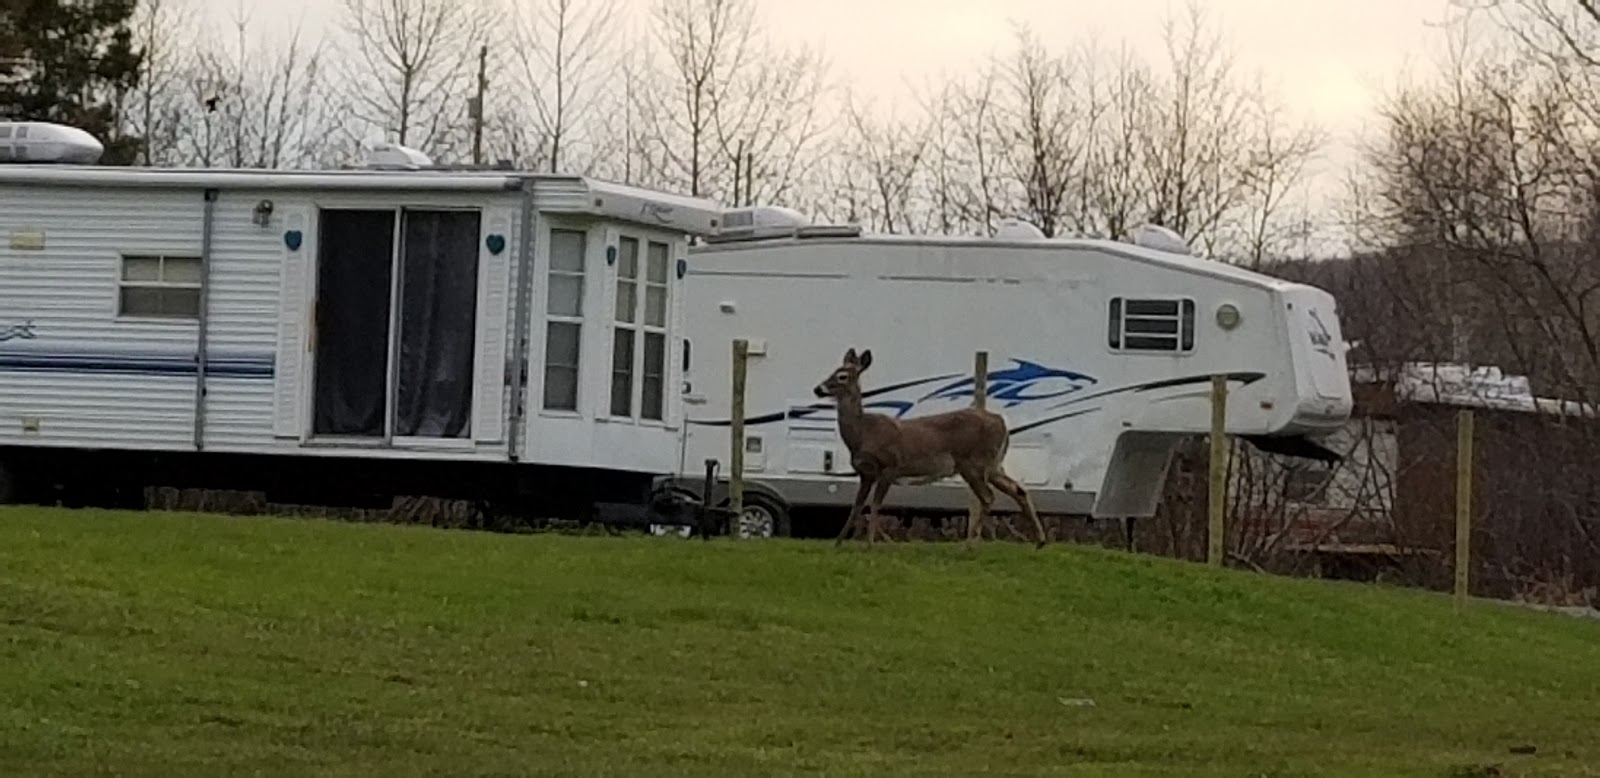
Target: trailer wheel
762,518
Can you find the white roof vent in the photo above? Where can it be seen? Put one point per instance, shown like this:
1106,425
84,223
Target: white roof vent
24,142
1018,229
761,222
1159,238
394,156
762,217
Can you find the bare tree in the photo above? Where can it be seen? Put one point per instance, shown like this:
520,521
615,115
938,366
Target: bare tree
1274,163
1109,191
1042,128
1192,149
560,60
254,101
1479,215
410,66
880,162
724,97
969,186
154,111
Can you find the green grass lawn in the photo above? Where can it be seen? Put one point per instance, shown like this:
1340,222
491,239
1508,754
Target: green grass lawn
153,644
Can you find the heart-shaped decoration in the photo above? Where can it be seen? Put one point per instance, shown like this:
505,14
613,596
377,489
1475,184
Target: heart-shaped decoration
293,239
496,244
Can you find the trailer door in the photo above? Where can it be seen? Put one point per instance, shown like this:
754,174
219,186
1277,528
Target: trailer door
396,323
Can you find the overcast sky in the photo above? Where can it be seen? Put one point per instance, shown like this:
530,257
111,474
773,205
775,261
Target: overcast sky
1326,59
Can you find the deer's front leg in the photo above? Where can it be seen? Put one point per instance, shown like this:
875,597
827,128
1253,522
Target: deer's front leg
855,509
878,493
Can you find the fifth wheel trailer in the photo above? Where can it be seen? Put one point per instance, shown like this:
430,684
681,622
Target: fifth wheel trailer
1101,355
334,335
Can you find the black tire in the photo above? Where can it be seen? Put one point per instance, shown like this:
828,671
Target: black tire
763,517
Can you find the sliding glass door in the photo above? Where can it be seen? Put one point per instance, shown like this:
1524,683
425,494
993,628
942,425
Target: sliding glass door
396,322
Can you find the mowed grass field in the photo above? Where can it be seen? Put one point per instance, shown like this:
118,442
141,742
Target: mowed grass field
155,644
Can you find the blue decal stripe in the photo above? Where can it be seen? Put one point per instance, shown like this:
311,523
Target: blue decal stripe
1246,378
907,385
124,364
1165,383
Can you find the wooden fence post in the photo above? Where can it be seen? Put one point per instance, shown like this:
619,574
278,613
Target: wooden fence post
1464,424
980,379
741,359
980,400
1218,483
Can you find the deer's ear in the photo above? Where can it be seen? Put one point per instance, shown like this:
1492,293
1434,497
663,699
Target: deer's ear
866,359
850,356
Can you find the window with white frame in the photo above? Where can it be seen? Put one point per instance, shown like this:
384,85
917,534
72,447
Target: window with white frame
564,319
653,373
639,335
159,286
1160,325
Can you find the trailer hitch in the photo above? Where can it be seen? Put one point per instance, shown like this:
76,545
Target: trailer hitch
673,509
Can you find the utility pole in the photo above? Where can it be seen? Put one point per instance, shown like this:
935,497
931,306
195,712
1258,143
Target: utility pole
477,105
738,175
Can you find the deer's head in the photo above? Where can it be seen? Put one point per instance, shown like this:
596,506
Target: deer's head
846,376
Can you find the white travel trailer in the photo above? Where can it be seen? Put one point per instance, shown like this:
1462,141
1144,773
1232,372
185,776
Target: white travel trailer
394,329
1101,355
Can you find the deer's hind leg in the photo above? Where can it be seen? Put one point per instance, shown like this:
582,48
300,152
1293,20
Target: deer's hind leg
1014,490
976,518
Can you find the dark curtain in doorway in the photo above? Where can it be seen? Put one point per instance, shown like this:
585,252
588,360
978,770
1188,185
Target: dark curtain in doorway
438,318
354,260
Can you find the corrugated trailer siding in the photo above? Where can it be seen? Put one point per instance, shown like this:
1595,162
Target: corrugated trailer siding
95,381
244,323
89,379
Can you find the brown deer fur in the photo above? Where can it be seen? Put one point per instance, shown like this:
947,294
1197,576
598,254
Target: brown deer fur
970,442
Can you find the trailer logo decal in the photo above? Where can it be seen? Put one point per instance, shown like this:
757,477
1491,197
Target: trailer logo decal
23,331
1321,338
1011,386
657,211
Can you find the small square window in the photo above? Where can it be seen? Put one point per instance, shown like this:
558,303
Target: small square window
159,286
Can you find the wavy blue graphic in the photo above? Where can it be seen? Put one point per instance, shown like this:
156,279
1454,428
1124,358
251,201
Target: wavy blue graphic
1016,386
1012,386
1026,382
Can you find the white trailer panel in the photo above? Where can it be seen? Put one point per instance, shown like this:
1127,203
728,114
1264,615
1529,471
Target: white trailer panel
91,360
1093,418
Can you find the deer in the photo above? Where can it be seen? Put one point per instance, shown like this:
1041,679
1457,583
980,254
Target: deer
969,442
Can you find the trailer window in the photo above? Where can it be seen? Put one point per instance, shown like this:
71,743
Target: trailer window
159,286
639,334
564,319
1151,324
